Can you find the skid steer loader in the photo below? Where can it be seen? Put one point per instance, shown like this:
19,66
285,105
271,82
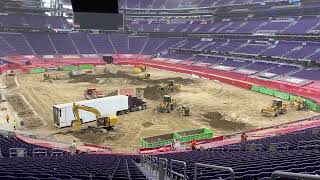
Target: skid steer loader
167,105
275,109
299,105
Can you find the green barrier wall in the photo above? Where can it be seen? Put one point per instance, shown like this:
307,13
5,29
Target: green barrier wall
69,68
37,70
182,136
255,88
282,95
312,105
86,66
268,91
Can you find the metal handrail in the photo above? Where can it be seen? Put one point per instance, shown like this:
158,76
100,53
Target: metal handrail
196,165
39,151
276,174
166,163
184,175
14,151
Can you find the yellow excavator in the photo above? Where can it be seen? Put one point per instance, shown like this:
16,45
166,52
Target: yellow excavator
298,104
167,105
102,122
275,109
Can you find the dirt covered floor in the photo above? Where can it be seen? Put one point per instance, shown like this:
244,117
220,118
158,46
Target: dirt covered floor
220,107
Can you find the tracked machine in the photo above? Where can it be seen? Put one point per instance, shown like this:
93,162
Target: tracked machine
278,107
105,123
167,105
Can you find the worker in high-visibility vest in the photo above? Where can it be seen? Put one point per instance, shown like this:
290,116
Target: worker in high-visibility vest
73,147
8,118
14,124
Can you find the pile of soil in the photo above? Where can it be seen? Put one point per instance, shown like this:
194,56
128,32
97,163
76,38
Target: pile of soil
152,92
10,82
218,121
92,136
147,124
94,78
29,120
121,74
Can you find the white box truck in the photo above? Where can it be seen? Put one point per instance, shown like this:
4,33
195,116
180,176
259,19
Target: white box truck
114,105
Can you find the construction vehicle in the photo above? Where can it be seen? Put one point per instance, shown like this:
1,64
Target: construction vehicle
171,87
102,122
168,104
275,109
139,68
298,104
93,93
47,77
50,77
184,110
145,76
11,73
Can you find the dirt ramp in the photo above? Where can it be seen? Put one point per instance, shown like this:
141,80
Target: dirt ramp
221,121
29,119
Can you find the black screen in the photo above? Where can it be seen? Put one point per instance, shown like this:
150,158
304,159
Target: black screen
95,6
97,14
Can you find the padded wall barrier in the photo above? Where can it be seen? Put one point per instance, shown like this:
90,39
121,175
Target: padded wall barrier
312,105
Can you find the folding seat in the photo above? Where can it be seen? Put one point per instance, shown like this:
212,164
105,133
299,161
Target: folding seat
84,177
42,175
7,177
51,178
63,176
27,178
6,173
207,178
101,177
23,174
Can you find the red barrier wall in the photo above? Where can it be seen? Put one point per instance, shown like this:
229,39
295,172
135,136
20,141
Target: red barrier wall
4,68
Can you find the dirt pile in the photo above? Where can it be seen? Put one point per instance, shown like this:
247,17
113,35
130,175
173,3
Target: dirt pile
221,121
94,78
92,135
152,92
10,82
121,74
147,124
29,120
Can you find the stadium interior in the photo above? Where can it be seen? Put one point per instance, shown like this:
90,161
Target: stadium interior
160,89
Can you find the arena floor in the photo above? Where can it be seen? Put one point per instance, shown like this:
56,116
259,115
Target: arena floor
220,107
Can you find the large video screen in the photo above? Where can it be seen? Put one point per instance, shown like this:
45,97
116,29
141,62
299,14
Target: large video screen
97,14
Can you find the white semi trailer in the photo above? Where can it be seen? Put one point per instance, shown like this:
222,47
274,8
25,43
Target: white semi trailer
113,105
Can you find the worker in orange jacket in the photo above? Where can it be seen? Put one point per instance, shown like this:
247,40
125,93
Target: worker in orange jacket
193,144
8,118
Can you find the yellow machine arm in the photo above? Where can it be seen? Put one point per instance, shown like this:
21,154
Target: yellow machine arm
76,108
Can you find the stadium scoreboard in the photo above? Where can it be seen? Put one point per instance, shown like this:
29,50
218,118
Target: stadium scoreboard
97,14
